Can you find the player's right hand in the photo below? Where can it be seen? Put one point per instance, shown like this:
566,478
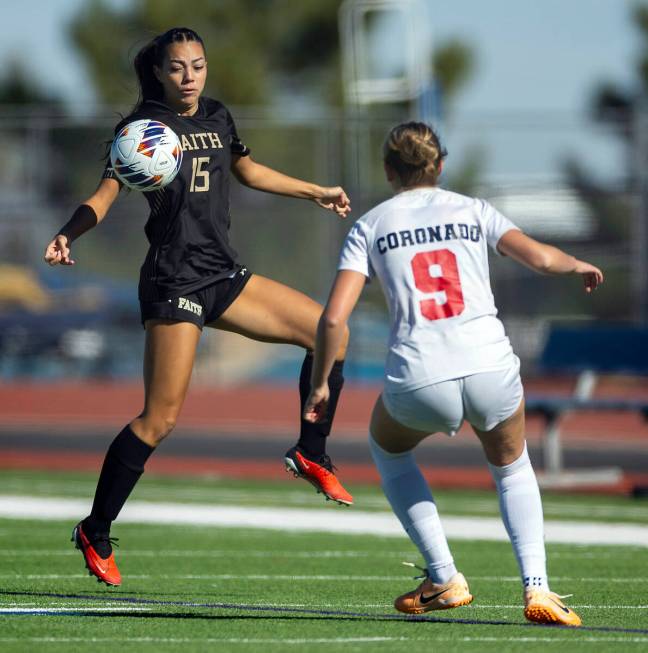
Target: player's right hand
334,199
316,404
592,276
58,251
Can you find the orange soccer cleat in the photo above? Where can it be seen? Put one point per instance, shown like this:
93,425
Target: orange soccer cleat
319,474
105,569
430,596
545,607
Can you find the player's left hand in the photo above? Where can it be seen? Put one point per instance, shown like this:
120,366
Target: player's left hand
592,276
58,251
334,199
316,404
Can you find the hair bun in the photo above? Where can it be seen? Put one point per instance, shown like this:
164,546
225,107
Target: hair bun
413,149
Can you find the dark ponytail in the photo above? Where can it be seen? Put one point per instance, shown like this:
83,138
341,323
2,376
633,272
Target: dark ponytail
152,54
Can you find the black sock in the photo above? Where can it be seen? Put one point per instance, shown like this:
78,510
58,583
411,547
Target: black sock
312,437
122,467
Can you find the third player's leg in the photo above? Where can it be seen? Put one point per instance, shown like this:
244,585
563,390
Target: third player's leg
391,435
519,497
494,406
504,443
168,361
269,311
391,444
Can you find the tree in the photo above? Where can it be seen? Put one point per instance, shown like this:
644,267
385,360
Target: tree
254,47
257,51
613,208
616,107
247,41
18,87
453,64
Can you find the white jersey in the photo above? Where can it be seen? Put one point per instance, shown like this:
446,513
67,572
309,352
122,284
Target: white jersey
428,248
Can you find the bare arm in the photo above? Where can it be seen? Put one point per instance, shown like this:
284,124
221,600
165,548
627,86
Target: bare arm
88,215
547,259
345,293
260,177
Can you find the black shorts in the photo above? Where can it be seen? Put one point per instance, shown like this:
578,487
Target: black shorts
201,306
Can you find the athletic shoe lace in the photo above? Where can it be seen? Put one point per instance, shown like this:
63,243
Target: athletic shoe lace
325,462
560,596
103,544
425,573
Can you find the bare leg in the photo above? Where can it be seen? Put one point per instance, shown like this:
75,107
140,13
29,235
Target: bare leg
505,443
170,348
271,312
390,435
168,361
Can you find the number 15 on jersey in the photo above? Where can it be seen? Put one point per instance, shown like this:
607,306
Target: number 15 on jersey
199,174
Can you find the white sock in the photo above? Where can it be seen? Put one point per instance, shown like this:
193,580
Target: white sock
521,508
412,502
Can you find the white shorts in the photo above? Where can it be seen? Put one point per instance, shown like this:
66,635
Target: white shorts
484,400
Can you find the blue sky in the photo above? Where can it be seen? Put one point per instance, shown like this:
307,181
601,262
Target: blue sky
539,56
532,54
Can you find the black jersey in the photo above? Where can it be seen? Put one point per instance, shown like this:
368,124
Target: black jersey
189,220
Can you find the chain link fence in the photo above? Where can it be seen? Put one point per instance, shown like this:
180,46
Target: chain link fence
84,321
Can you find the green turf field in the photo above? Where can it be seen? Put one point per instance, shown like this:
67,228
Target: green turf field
191,588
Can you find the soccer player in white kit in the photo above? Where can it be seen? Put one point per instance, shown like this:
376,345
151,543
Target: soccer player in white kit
449,360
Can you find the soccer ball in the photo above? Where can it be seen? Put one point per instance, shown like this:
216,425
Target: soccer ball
146,155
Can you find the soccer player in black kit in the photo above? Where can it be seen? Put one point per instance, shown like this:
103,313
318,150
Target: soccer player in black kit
191,278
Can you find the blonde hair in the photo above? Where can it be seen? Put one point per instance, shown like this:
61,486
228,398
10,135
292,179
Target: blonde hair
413,151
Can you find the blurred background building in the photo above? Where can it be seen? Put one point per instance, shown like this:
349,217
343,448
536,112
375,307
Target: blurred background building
541,106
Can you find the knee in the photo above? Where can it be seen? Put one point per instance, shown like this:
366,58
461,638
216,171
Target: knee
154,428
164,427
501,459
508,460
503,454
391,465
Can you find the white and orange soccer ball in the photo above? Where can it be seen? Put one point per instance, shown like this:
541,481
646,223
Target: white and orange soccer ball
146,155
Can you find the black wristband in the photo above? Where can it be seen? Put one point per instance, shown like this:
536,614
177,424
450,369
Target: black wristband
83,219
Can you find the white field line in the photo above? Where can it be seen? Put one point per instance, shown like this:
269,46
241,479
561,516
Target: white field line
332,521
71,609
315,606
62,576
213,553
323,577
580,553
210,640
314,640
327,577
571,640
153,492
66,604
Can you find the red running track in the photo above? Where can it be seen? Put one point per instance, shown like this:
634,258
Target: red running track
267,408
352,473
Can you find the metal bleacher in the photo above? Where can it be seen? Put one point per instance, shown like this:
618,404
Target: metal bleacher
588,352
